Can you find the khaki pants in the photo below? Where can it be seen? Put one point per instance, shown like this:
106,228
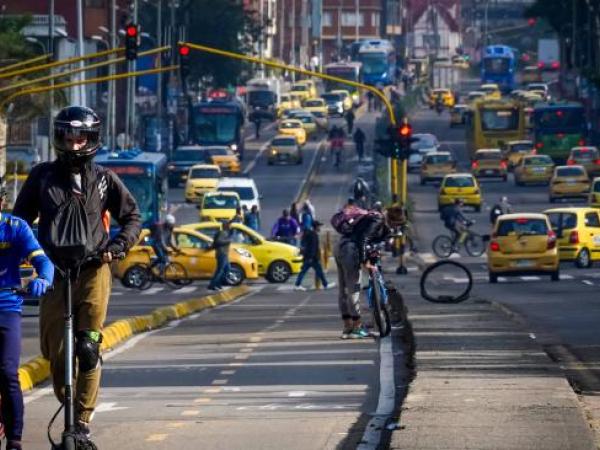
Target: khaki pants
90,291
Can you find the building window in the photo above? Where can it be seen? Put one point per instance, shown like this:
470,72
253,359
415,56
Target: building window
95,3
375,19
327,19
349,19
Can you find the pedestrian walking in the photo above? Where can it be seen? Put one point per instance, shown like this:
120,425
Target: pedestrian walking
310,247
359,143
239,215
350,121
294,213
252,219
220,245
257,127
306,217
370,99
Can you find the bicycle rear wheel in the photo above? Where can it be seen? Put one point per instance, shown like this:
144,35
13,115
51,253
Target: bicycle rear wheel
381,315
442,246
474,245
175,275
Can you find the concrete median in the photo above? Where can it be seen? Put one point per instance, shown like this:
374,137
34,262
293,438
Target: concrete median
37,369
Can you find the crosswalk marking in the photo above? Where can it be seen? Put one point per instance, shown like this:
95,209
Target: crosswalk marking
153,290
186,290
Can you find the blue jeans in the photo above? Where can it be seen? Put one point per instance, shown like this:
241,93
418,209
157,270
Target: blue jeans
220,272
10,389
315,264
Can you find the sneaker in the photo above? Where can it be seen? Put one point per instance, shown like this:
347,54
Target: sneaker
359,333
329,286
83,429
346,334
299,288
213,288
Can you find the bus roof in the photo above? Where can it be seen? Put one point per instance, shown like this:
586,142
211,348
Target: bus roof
126,157
343,65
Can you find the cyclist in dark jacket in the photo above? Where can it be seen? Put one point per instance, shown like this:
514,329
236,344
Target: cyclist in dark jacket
73,175
286,228
454,219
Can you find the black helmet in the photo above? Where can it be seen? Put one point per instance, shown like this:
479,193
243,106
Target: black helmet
81,122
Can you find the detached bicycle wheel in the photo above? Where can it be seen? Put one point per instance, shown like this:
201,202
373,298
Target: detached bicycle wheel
446,282
442,246
381,315
474,245
175,275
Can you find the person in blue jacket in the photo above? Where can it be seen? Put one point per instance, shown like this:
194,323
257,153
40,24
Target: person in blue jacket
17,244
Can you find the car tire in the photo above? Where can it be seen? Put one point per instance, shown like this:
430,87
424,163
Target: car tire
555,276
583,259
493,278
235,276
278,272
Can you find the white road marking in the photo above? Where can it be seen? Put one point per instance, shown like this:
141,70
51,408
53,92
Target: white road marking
153,290
108,407
186,290
256,158
588,282
297,394
190,412
564,276
530,278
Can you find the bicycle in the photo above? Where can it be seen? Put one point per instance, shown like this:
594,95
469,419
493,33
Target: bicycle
337,145
474,244
377,295
143,275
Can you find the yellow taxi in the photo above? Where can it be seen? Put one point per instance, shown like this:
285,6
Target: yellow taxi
531,74
446,95
219,206
312,87
489,162
293,127
457,115
522,244
277,261
436,165
595,193
196,256
515,150
569,182
301,90
533,169
586,156
225,158
285,102
463,186
492,91
315,105
309,122
202,178
474,95
578,233
347,101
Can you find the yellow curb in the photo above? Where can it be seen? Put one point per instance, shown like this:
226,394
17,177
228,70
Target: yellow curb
37,369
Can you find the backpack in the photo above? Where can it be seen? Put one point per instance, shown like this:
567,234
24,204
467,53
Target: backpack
346,220
446,215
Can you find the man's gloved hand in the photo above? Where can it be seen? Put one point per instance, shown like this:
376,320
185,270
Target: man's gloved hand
38,287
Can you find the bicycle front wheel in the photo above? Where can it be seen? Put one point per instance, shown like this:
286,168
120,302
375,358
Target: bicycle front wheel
381,315
474,245
442,246
175,275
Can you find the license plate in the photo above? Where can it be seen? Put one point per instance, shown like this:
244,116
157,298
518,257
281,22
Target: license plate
524,263
488,172
539,170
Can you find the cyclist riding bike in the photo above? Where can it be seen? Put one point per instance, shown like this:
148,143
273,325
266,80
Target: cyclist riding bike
336,143
163,240
18,243
455,221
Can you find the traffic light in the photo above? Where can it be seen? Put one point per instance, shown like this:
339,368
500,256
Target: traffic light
132,41
184,61
402,137
531,21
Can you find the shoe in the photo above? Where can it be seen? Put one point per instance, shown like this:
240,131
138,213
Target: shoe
299,288
82,429
329,286
359,333
13,445
346,334
213,288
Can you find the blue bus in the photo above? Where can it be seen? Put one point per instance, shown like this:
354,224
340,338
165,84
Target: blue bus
145,175
498,65
378,59
218,121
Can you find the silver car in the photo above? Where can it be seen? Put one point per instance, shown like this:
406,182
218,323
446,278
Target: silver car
424,143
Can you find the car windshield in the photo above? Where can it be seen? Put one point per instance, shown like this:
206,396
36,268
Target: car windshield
190,155
289,125
424,142
305,119
562,221
438,159
494,156
596,186
521,148
499,119
205,173
474,96
284,98
459,182
318,114
311,103
219,151
220,202
245,193
538,161
585,154
332,98
569,172
299,88
537,87
522,226
284,142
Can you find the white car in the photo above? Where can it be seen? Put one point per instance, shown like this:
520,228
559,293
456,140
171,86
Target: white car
244,187
425,143
542,88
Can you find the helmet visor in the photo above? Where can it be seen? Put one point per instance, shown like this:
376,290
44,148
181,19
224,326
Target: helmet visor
68,138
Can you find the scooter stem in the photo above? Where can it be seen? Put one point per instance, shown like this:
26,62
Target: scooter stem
69,356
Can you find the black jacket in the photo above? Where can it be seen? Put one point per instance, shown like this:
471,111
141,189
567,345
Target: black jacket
221,243
49,186
310,245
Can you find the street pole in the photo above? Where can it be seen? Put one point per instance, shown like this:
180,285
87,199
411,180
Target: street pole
132,115
485,24
293,46
281,29
112,87
321,36
48,155
574,34
356,17
81,51
159,89
261,12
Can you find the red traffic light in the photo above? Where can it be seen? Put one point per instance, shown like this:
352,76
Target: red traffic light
405,130
131,30
184,50
531,21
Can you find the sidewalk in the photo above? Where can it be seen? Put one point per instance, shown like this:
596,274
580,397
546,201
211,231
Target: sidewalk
484,383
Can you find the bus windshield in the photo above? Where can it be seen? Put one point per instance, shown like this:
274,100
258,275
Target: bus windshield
560,118
217,128
262,98
141,188
496,66
499,119
373,63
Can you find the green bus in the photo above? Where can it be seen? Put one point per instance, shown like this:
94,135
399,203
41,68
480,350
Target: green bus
558,127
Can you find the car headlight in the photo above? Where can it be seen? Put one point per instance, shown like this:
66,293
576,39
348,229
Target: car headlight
171,167
234,147
242,252
273,152
297,252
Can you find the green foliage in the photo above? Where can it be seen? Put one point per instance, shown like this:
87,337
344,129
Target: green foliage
12,43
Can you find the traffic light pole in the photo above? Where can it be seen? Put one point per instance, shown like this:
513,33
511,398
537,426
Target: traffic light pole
398,190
